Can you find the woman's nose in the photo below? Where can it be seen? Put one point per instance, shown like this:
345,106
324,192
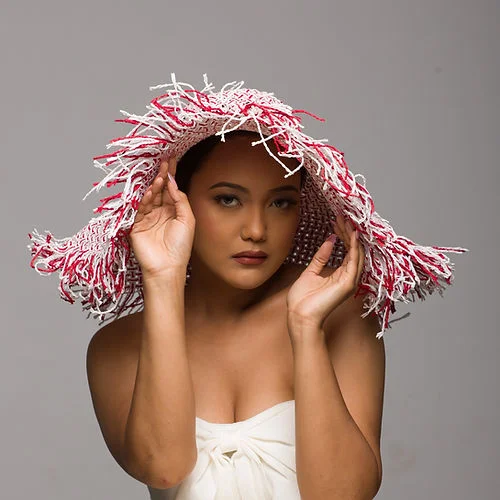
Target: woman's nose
255,226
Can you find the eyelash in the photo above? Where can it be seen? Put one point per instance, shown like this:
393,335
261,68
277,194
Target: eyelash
219,197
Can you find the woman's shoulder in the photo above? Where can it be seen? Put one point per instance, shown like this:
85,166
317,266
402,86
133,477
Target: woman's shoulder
122,332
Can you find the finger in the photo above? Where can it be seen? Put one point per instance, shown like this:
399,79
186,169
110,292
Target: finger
321,257
341,223
349,228
169,169
361,261
352,256
340,234
163,168
157,189
157,185
183,209
144,206
173,166
344,238
338,230
350,231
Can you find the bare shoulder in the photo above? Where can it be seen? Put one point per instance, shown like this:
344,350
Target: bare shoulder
351,312
123,332
116,342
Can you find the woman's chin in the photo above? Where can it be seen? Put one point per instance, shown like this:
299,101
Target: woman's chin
246,282
243,276
249,277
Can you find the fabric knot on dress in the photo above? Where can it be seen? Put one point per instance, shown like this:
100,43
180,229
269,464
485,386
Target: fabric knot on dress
229,441
242,460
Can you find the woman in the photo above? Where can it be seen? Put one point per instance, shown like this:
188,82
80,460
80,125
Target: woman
256,378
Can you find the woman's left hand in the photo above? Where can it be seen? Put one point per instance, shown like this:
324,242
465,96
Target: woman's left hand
318,290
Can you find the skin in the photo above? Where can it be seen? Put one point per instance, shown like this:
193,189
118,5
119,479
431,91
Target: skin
234,315
229,221
208,225
253,335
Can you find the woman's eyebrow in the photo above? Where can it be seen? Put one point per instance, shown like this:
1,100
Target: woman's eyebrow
288,187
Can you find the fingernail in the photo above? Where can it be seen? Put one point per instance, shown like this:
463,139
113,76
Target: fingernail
172,180
332,237
357,234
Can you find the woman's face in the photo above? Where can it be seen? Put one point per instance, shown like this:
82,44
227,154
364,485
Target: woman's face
255,216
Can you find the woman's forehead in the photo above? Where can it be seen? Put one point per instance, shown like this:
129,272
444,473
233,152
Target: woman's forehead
261,175
237,158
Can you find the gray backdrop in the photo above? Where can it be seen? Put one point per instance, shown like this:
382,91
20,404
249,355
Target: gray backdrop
410,91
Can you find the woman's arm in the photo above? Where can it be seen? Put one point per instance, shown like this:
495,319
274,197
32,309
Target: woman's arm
141,388
161,428
339,377
160,432
145,403
339,385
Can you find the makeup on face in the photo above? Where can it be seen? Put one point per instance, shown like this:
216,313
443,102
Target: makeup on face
250,261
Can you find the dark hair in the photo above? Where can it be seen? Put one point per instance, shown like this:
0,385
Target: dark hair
193,158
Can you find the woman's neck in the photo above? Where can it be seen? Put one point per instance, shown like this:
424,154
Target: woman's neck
219,302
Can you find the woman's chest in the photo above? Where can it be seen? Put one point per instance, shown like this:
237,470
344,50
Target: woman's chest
239,372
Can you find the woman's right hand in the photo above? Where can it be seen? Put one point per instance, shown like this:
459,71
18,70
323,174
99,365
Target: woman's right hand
163,230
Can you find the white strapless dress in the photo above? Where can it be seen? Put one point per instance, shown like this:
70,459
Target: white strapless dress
262,466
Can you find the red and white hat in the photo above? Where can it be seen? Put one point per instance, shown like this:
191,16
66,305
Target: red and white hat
97,264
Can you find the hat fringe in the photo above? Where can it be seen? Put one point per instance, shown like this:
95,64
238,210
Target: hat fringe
94,275
402,271
97,264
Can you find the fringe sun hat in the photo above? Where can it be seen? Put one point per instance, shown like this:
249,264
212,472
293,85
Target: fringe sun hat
97,264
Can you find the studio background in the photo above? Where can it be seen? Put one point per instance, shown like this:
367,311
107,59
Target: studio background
410,93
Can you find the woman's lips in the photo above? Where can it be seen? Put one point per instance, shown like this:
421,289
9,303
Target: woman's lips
250,260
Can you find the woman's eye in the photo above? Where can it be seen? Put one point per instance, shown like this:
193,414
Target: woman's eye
290,202
225,197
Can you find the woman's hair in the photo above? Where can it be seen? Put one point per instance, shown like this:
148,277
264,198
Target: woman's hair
194,157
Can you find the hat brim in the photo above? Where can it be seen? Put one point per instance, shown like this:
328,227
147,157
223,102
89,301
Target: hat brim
97,265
